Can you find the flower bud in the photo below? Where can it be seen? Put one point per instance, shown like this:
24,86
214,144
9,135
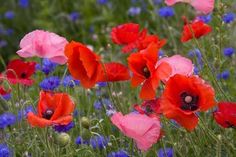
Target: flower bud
85,122
62,139
86,134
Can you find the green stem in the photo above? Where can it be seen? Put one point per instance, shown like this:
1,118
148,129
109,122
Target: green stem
209,68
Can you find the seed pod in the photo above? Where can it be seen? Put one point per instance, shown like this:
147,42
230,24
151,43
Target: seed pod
86,134
85,122
62,139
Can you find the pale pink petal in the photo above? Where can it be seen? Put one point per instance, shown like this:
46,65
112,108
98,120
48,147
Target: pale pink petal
59,59
179,65
204,6
143,129
26,52
172,2
43,44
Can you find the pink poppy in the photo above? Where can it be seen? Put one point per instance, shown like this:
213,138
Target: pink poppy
204,6
179,65
43,44
145,134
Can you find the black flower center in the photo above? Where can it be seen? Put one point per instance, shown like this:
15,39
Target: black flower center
229,124
188,102
146,72
148,109
23,75
48,114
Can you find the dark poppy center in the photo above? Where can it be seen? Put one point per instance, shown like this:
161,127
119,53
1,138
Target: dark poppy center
148,109
188,102
146,72
48,114
229,124
23,75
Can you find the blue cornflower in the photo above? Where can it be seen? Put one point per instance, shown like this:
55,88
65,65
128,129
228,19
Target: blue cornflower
75,113
91,29
195,52
6,96
102,2
224,75
9,14
198,54
9,31
38,66
218,76
196,70
5,150
50,83
160,53
120,153
167,152
205,18
7,119
102,84
47,66
156,2
166,12
112,154
229,51
99,142
98,105
79,140
133,11
74,16
68,81
23,3
228,17
23,113
64,128
3,43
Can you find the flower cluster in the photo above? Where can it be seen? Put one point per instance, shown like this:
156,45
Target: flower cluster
171,89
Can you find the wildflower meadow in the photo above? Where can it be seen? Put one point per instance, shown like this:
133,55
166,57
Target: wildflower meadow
117,78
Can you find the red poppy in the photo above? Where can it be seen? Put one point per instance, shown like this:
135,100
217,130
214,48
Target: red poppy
127,34
183,97
4,91
83,64
195,29
149,107
19,71
226,114
143,43
114,72
53,109
142,64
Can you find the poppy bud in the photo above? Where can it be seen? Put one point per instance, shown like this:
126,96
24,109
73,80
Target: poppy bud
86,134
85,122
62,139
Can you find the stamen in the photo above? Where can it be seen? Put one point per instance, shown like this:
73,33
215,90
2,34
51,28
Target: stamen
48,114
23,75
188,99
146,72
188,102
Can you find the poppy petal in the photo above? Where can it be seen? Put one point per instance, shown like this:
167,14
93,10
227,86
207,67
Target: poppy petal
147,91
38,121
114,72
